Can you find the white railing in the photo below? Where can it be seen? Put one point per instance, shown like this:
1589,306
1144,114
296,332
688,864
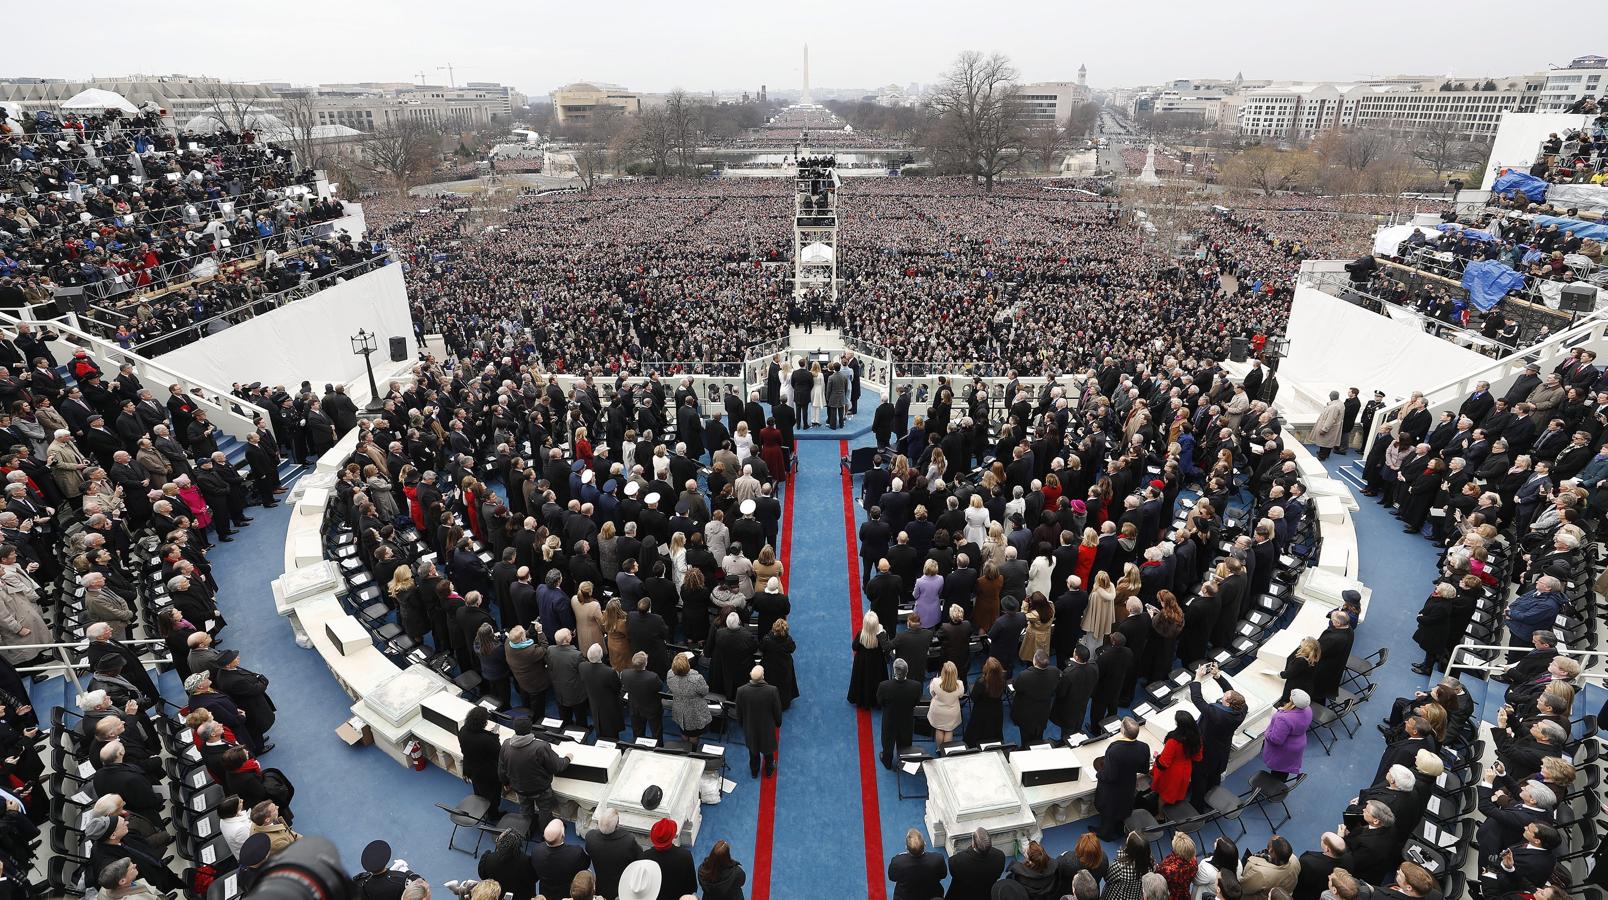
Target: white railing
228,413
1593,330
1593,665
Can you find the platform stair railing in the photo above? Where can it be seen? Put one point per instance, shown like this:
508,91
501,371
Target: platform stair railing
1466,658
1592,331
228,413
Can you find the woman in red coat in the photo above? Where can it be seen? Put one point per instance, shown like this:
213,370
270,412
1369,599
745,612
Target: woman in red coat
770,450
1169,776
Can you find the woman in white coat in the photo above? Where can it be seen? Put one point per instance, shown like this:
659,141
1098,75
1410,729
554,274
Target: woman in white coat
20,619
976,521
817,391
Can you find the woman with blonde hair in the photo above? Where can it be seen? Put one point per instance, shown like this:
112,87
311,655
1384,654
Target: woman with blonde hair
619,643
744,442
678,558
871,648
817,391
977,520
994,545
985,608
767,566
588,618
1101,613
608,551
1300,670
937,464
1127,587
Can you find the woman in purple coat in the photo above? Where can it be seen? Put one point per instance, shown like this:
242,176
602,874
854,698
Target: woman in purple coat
928,591
1285,741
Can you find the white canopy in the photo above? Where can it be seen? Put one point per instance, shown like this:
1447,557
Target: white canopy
98,100
817,254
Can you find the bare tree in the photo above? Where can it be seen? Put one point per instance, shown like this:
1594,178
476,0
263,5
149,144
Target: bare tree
1083,119
1267,170
1443,146
299,112
233,106
594,144
401,153
681,113
979,109
1049,143
654,138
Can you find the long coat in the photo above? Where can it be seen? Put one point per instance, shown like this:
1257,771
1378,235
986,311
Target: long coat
759,706
1285,742
1117,782
64,460
19,598
1326,431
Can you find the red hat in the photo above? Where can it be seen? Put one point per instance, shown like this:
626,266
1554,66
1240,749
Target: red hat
1158,484
663,834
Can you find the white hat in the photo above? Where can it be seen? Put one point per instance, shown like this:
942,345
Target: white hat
640,881
651,499
748,507
632,488
587,476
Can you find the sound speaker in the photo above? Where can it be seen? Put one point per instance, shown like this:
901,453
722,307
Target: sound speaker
1578,298
399,349
70,300
1237,348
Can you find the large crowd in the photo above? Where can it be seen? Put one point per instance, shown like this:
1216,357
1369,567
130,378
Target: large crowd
160,229
689,272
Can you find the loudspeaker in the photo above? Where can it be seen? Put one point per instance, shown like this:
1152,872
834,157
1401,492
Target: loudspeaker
1578,298
1237,348
70,300
399,349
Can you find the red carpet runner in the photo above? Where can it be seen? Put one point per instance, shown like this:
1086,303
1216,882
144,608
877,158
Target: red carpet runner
765,826
870,814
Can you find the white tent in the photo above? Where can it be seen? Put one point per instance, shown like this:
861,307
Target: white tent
13,110
97,100
1388,239
817,254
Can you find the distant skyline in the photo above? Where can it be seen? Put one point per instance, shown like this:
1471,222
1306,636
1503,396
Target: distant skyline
725,45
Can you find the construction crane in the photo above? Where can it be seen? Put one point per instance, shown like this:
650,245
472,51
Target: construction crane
421,77
448,68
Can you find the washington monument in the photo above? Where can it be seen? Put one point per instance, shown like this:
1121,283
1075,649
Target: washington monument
805,100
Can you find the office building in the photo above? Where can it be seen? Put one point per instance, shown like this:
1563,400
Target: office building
1584,77
577,102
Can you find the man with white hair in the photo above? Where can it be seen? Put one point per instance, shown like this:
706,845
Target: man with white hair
105,606
556,862
610,850
603,693
759,707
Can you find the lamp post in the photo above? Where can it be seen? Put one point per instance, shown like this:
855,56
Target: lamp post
364,344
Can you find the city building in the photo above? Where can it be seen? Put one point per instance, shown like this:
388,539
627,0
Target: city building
576,102
372,106
1584,77
183,96
1304,110
1052,101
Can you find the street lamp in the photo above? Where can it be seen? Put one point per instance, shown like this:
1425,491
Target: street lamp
364,344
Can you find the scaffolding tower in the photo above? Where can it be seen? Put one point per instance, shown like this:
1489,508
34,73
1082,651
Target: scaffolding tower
815,229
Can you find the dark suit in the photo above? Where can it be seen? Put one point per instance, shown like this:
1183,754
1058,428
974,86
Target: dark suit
1072,693
1117,784
972,873
898,699
1218,722
1034,697
642,698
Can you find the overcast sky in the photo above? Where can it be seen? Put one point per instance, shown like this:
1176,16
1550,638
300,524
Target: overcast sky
723,44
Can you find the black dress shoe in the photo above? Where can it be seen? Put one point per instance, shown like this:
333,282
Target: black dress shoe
226,540
266,748
244,520
1422,669
1384,729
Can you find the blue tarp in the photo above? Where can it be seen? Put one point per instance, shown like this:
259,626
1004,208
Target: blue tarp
1530,186
1488,281
1473,234
1583,229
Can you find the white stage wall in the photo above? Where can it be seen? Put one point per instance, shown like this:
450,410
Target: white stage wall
1335,345
1518,140
308,339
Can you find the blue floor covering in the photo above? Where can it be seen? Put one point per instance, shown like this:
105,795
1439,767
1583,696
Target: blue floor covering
354,796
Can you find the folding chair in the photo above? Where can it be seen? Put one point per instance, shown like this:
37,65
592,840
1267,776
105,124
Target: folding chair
1273,790
470,812
1363,667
